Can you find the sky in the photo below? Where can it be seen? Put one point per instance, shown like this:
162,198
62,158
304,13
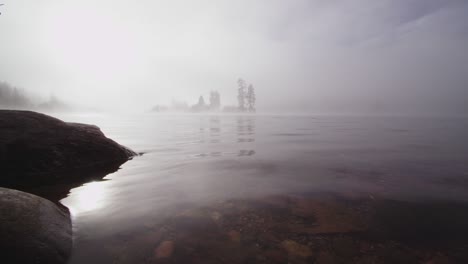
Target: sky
311,56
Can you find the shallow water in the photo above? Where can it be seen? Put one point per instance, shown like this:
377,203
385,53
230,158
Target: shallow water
199,161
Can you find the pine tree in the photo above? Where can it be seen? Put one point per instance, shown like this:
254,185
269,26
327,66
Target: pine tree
251,98
241,95
201,101
215,101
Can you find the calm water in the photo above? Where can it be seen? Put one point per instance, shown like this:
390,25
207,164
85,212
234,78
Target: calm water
196,160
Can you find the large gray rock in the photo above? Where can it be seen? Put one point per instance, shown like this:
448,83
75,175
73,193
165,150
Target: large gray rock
33,229
36,149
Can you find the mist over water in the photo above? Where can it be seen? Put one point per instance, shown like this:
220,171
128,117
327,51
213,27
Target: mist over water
339,110
195,160
385,57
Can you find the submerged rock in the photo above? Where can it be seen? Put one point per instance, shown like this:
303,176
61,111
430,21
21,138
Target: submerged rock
36,149
295,249
234,236
33,229
165,249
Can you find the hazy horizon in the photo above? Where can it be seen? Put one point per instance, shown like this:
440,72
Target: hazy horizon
222,131
374,57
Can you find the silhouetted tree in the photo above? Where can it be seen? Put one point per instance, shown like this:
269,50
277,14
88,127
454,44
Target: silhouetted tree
201,101
215,100
241,95
200,106
251,98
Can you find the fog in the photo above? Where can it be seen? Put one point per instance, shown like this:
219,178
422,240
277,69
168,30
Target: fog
311,56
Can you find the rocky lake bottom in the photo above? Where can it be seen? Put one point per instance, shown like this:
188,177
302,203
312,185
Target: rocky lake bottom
321,228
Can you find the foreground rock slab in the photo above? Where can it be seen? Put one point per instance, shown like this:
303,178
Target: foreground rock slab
33,229
36,149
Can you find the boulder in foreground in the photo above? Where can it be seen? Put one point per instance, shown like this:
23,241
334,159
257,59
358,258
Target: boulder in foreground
33,229
36,149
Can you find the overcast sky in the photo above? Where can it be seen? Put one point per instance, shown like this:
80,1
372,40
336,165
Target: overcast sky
396,56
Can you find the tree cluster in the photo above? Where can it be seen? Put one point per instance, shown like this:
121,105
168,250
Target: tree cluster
214,103
245,96
12,97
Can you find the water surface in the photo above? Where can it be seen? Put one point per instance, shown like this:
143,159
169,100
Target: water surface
202,161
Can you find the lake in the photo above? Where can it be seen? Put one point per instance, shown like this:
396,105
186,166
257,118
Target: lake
208,188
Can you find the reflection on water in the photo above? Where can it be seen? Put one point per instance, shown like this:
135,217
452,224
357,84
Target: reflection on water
195,162
211,132
245,152
246,134
87,198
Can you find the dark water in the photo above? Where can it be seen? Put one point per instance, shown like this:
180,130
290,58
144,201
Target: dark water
205,161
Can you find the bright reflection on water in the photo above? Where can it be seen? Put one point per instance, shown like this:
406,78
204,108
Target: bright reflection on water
87,198
192,160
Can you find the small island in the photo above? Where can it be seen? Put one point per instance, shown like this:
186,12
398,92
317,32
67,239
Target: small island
246,100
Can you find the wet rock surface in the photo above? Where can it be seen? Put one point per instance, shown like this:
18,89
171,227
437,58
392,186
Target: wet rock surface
33,229
301,229
36,150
